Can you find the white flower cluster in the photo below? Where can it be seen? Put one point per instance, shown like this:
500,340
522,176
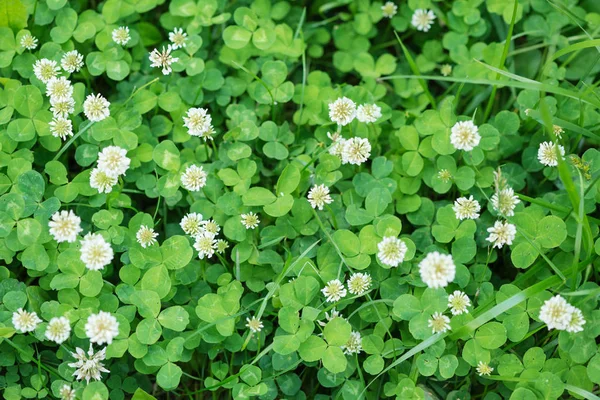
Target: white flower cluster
194,178
163,59
199,123
204,233
146,236
464,135
504,202
548,153
558,314
250,220
422,19
58,329
351,151
112,163
437,270
318,196
88,366
358,284
343,111
391,251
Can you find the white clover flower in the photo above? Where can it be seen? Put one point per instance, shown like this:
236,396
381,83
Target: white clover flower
356,151
329,316
439,323
446,69
95,107
72,61
29,42
205,244
389,9
556,313
25,321
45,69
368,113
466,208
504,201
65,226
58,329
359,283
464,135
558,131
210,227
113,161
62,108
59,89
222,245
102,327
576,320
318,196
391,251
191,223
198,122
437,270
66,393
254,324
88,366
337,147
484,368
163,59
354,344
120,35
444,175
102,182
547,153
342,111
194,178
423,19
177,37
458,302
146,236
61,127
96,253
501,233
334,290
250,220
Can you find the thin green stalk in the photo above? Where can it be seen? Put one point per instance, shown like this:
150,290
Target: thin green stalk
73,138
415,70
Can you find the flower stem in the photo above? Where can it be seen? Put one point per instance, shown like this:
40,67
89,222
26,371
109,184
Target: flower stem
70,142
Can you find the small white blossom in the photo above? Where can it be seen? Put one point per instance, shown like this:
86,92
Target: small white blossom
368,113
45,69
96,253
446,69
72,61
318,196
102,182
146,236
458,302
337,147
61,127
342,111
359,283
95,108
66,393
391,251
465,136
210,227
444,175
62,108
484,368
58,329
250,220
59,89
423,19
191,223
25,321
194,178
205,244
576,320
389,9
329,316
501,233
558,131
354,344
556,313
163,59
334,290
504,201
198,122
29,42
547,153
120,35
466,208
222,245
254,324
356,151
439,323
88,366
102,327
113,161
65,226
437,270
177,37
